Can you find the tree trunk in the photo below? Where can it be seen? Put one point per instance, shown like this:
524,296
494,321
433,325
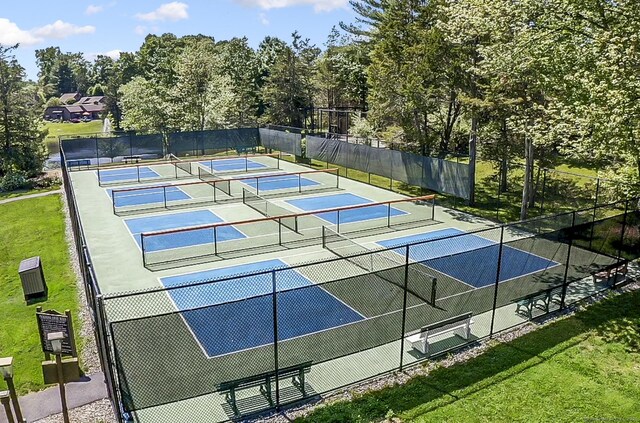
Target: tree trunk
504,170
526,190
473,142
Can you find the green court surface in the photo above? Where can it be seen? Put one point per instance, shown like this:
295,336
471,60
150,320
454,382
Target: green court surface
156,337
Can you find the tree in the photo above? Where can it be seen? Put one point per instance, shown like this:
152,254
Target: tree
144,106
288,91
21,139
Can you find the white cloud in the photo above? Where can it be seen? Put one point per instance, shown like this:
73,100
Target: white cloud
173,11
263,19
10,34
140,30
114,54
318,5
60,30
93,9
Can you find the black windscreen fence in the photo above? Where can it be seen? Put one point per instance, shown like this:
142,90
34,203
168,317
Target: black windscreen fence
281,141
426,172
98,150
363,313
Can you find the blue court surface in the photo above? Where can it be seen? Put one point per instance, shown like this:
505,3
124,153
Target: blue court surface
149,195
181,239
275,182
231,165
344,200
469,258
248,323
127,174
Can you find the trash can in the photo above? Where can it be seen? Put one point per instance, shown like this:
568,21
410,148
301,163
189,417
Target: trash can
32,277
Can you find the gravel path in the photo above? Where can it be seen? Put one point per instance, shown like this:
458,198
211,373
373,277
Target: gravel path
28,196
96,412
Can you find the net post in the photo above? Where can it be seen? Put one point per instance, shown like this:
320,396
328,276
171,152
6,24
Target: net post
215,240
257,186
138,171
113,201
388,215
246,164
215,198
279,231
164,194
175,168
434,291
338,221
563,296
337,180
275,335
324,237
144,256
99,179
299,182
404,304
495,291
433,208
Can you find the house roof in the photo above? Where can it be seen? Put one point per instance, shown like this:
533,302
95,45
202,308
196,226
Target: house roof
68,96
93,107
90,100
75,109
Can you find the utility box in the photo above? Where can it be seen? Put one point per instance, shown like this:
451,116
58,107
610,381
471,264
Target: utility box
32,277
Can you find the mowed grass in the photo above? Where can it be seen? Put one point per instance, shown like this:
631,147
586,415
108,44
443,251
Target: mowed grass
32,227
583,368
57,129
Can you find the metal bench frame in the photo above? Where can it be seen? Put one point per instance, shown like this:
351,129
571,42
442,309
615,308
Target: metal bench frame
132,159
605,273
459,325
264,380
541,300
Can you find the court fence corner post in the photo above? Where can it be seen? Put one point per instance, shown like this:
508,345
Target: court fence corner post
563,296
621,242
275,336
404,305
495,291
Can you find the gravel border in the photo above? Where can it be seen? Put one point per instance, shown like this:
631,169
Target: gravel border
462,355
90,362
96,412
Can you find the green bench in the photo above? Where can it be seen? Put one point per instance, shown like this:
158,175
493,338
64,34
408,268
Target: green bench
79,163
605,273
264,381
541,300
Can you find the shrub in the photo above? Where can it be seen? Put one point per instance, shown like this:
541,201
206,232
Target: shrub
14,181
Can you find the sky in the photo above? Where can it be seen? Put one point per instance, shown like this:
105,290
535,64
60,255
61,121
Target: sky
110,26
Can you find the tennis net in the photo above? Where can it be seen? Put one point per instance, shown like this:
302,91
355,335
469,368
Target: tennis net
180,164
268,209
215,181
385,264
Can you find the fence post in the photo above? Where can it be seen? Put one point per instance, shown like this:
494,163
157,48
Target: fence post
404,304
544,187
495,291
566,266
105,357
215,241
622,231
275,336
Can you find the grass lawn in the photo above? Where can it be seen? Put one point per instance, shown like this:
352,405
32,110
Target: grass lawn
66,128
32,227
583,368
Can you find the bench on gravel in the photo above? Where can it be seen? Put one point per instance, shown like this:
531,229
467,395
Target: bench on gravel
264,381
458,325
78,163
132,159
605,273
541,300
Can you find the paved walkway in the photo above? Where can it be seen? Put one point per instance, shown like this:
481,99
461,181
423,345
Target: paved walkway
26,197
38,405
